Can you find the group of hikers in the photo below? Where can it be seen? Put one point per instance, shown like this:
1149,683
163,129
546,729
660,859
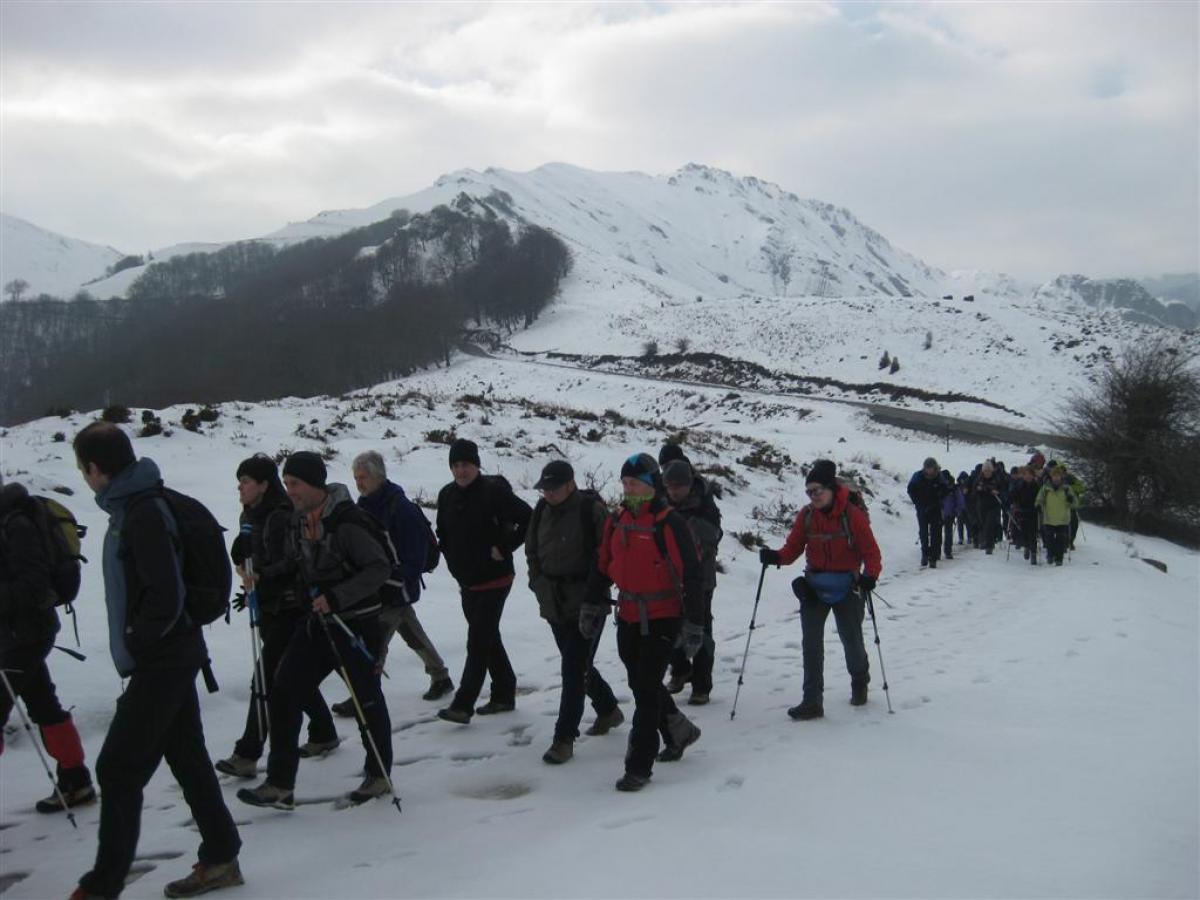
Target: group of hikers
1036,501
326,581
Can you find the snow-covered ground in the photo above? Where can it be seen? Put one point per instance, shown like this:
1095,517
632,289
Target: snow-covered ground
1044,741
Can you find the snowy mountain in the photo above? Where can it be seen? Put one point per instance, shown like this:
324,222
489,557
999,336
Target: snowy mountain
1043,744
50,263
1129,297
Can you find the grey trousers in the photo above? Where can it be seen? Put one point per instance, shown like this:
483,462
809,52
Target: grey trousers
403,619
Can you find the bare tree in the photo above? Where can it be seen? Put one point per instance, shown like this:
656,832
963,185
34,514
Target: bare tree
1137,433
16,288
683,344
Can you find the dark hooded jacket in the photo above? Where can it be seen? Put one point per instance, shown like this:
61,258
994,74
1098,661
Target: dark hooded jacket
27,614
473,520
266,546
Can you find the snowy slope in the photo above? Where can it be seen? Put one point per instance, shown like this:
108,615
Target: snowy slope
51,263
1044,741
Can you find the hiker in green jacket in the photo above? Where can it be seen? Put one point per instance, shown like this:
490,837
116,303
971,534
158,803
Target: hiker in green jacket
1056,502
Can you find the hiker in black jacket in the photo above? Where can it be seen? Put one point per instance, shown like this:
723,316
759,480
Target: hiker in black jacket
480,523
926,491
267,569
990,496
564,534
156,646
690,497
28,624
342,569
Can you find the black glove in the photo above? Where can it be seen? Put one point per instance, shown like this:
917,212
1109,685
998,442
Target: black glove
591,620
239,601
769,557
693,639
867,583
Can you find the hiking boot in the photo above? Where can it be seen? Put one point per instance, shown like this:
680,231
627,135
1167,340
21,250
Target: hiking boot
924,561
1033,561
1027,553
495,706
933,564
808,709
858,694
345,709
629,782
80,894
78,796
318,749
238,766
676,683
559,752
269,796
698,698
1058,562
683,733
949,554
372,786
607,722
988,551
205,878
438,689
457,716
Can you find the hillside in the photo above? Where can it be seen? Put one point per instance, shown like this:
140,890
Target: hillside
1017,762
50,263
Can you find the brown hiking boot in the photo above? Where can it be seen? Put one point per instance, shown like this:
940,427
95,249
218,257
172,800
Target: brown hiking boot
559,752
204,878
607,722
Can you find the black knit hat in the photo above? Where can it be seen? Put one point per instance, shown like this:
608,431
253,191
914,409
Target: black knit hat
307,466
678,472
643,467
824,473
463,450
260,467
670,452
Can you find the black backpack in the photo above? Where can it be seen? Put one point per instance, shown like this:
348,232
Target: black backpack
61,536
207,573
393,592
433,553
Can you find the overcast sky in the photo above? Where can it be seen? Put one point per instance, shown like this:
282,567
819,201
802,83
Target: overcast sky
1033,138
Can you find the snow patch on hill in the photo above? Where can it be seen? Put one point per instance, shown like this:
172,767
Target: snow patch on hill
50,263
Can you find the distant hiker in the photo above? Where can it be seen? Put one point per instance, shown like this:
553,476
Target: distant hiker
1075,486
1056,502
157,647
564,535
270,579
687,495
954,506
842,564
410,534
480,524
342,568
1025,512
648,552
989,499
965,520
28,624
925,489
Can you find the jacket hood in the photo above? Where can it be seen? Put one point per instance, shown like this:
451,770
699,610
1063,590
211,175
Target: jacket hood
133,479
335,495
11,496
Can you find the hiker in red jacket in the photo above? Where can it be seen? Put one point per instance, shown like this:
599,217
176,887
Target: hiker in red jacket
648,552
834,534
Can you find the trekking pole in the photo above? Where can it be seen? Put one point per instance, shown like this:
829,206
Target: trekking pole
36,746
358,710
746,654
72,653
879,596
879,650
258,681
356,641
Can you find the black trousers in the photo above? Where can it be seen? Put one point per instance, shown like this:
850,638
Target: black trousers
646,658
989,522
1029,531
485,650
848,614
1057,539
275,631
579,679
26,670
158,717
312,653
948,537
929,526
699,670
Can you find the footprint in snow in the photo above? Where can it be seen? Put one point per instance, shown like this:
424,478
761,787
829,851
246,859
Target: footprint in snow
495,790
914,704
732,783
160,856
519,737
630,820
8,879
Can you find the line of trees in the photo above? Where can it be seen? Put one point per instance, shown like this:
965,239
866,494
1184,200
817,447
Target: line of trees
252,321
